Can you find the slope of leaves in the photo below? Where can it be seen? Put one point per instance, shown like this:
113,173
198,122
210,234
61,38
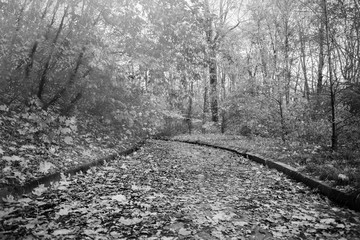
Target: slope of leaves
341,170
34,143
173,190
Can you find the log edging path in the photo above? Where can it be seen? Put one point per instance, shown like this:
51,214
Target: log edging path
17,191
335,195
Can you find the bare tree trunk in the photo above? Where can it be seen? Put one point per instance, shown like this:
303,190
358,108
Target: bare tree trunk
303,65
282,120
212,64
30,63
334,136
297,80
287,65
321,59
67,110
190,107
213,87
223,96
205,107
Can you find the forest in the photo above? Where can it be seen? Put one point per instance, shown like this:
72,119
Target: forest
82,78
86,81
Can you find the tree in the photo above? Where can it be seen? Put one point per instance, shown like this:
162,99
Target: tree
334,136
218,23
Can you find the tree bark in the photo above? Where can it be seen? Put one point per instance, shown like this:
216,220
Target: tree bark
30,63
334,136
205,107
303,65
223,96
190,107
212,64
282,120
67,110
319,85
287,65
213,86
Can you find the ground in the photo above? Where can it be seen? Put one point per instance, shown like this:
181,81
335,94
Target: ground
36,144
340,169
172,190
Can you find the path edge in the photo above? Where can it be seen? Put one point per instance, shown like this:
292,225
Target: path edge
48,179
335,195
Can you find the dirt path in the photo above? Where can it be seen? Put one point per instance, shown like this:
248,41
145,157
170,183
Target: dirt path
171,190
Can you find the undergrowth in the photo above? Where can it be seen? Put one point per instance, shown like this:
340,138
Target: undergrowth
35,143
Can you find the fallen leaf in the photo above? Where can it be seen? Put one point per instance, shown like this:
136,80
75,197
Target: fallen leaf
25,200
28,147
343,177
62,232
29,226
240,223
68,140
130,221
4,108
45,167
89,232
39,190
340,225
65,130
184,232
120,198
123,166
63,211
321,226
217,234
327,220
223,216
9,199
12,158
6,212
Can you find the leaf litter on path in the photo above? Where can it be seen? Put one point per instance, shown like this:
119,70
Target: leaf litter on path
170,190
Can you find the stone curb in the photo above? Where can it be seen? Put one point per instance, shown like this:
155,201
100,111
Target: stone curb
337,196
48,179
